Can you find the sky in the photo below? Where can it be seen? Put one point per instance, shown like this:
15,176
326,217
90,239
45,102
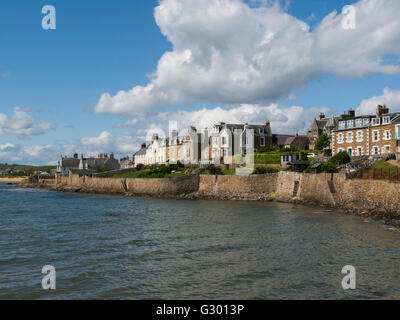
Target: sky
114,72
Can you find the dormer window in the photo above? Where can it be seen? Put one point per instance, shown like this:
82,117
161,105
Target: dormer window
365,121
359,123
386,120
350,124
376,121
342,124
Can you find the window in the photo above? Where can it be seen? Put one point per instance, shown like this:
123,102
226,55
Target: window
387,135
365,121
215,141
359,123
359,136
375,135
224,153
386,120
223,140
350,151
398,132
350,124
350,137
376,121
386,149
376,150
262,142
359,151
340,138
340,150
342,124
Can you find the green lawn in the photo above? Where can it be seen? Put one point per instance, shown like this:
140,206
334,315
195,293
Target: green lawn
384,166
267,158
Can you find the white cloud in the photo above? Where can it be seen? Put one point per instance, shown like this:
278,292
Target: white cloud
22,124
105,142
227,52
283,119
390,98
126,124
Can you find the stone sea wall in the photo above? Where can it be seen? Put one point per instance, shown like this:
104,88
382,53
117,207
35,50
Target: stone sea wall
377,198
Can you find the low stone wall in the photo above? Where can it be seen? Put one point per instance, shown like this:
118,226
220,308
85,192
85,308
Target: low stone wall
256,187
162,187
376,198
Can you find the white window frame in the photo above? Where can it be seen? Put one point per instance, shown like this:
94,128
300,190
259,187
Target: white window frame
360,151
262,141
385,147
365,121
342,124
385,120
340,150
349,137
376,121
359,122
373,136
397,133
360,136
350,124
387,135
340,138
378,148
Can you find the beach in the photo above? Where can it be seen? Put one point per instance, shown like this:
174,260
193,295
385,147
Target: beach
16,179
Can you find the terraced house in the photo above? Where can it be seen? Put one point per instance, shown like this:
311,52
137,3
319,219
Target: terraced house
228,140
377,134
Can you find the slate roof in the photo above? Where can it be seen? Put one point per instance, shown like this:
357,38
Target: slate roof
141,152
70,162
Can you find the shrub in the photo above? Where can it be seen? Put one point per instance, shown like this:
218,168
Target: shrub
140,167
99,168
265,170
303,155
340,158
213,170
328,167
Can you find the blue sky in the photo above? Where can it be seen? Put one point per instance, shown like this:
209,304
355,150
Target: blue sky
58,76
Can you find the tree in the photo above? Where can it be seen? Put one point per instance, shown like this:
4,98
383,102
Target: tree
322,142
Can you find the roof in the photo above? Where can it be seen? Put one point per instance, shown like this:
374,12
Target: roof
280,139
81,172
141,152
70,162
321,124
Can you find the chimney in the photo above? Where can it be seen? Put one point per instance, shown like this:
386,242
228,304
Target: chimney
143,145
76,155
112,155
351,113
266,123
321,116
382,109
155,136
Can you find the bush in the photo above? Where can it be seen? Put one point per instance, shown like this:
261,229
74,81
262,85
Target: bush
213,170
99,168
340,158
140,167
328,167
265,170
303,155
